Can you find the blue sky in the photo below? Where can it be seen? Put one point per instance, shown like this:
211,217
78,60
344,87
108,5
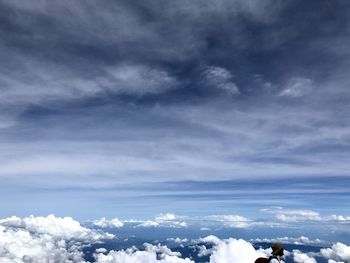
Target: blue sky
130,109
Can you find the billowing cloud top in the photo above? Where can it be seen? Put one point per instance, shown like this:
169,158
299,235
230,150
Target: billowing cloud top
45,239
55,239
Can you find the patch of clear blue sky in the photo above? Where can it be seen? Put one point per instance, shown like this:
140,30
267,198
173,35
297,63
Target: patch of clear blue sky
144,201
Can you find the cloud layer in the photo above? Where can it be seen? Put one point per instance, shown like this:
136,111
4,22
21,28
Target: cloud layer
56,239
129,106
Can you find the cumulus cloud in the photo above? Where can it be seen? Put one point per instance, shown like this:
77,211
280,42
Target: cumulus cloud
209,239
300,257
161,254
241,251
234,250
166,217
164,220
338,251
228,250
45,239
178,240
57,227
148,223
104,223
101,250
203,251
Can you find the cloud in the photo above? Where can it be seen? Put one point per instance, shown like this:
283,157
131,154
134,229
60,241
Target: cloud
137,80
164,220
339,218
162,250
297,87
282,219
51,239
203,251
166,217
178,240
226,250
338,251
173,224
300,257
234,250
149,223
234,221
209,239
286,215
219,78
290,217
291,240
104,223
333,261
44,84
98,94
57,227
165,255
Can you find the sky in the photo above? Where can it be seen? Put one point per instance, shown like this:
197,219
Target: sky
201,109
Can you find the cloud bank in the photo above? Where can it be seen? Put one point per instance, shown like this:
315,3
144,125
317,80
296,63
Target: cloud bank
45,239
56,239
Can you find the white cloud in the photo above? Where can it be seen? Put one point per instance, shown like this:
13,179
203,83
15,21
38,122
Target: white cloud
147,256
286,215
45,239
148,223
339,218
163,250
179,224
44,82
333,261
203,251
208,239
219,78
104,223
166,217
291,240
297,87
234,250
178,240
101,250
235,221
163,220
338,251
137,80
300,257
57,227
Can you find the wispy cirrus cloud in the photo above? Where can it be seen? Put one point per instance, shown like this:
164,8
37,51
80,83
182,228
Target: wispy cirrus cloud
123,95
